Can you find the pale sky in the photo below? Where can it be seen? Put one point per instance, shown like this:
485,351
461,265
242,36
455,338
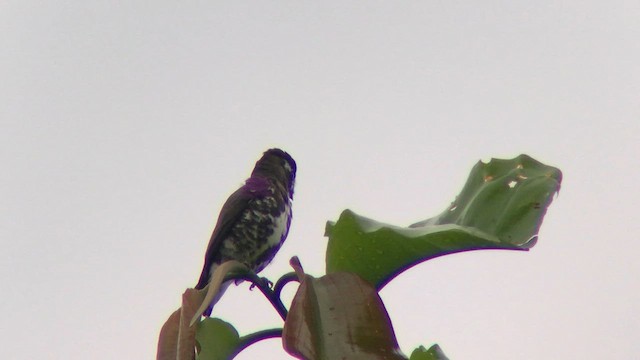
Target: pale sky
125,126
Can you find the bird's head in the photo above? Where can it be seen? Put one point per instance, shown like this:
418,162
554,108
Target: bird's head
278,165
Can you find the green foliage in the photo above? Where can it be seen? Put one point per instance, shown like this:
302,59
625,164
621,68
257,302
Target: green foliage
500,207
505,198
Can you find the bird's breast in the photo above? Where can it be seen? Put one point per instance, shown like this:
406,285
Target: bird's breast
259,233
280,227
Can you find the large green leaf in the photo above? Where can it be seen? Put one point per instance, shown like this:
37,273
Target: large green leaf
339,316
505,198
500,207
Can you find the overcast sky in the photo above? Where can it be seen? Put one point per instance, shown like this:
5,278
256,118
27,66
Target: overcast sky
125,126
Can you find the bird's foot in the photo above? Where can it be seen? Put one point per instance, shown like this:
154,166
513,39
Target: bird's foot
264,282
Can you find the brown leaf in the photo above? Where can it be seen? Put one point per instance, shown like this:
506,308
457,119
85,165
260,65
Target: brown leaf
339,316
177,337
168,341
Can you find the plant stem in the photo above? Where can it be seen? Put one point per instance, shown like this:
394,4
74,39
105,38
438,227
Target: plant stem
251,339
283,281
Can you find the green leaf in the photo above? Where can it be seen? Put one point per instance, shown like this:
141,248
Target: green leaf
339,316
434,353
505,198
217,339
500,207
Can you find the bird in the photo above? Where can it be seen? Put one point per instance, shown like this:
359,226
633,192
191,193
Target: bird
254,221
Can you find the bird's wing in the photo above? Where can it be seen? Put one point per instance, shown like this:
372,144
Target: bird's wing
229,215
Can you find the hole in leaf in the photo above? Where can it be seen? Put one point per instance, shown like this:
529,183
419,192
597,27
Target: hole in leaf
512,183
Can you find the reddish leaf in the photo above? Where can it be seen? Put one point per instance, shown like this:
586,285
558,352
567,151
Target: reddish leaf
177,337
338,316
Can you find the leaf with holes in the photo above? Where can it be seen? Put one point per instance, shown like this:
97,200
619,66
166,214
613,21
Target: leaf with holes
501,206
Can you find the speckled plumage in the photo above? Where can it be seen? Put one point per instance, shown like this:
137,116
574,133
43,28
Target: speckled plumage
255,220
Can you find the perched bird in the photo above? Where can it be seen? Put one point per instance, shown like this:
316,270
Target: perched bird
254,221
